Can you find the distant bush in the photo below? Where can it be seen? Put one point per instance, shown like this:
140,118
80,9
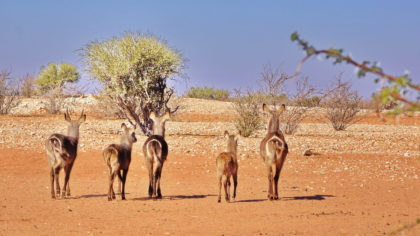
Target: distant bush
247,107
8,94
342,105
207,93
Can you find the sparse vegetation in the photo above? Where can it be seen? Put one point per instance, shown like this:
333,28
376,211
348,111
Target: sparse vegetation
8,94
27,88
342,105
247,107
207,93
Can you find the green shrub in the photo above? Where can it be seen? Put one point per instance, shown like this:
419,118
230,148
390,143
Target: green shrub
207,93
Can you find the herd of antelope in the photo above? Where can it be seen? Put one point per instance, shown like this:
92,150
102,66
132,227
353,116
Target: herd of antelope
62,152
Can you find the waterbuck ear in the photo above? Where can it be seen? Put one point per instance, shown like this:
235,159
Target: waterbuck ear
82,117
124,126
237,137
226,134
283,107
152,115
67,116
266,108
167,116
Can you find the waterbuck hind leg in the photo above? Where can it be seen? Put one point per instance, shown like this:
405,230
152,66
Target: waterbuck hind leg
235,184
276,184
119,190
159,193
67,170
111,189
56,179
52,183
219,180
226,190
123,178
270,183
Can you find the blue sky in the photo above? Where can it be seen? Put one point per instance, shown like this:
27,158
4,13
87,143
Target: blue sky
226,42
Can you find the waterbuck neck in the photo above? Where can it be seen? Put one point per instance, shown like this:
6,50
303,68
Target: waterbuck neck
232,146
73,131
124,141
159,128
274,124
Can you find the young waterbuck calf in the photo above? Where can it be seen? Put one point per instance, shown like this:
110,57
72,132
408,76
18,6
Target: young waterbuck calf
155,151
118,157
227,165
273,150
62,152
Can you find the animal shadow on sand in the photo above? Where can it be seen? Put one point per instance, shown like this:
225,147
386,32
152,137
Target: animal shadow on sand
318,197
175,197
97,196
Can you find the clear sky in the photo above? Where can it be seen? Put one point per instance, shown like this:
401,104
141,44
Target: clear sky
226,42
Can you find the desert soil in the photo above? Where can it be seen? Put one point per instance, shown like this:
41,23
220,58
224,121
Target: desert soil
364,181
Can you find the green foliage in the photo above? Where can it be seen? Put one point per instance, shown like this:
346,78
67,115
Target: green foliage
310,102
134,70
399,85
56,75
132,64
207,93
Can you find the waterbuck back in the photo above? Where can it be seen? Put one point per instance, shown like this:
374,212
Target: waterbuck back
227,165
62,152
155,150
118,158
273,150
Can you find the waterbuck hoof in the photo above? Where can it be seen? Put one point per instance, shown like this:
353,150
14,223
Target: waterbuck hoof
109,199
123,198
218,200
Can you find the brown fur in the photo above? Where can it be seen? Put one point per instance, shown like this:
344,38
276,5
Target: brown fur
118,157
227,165
273,150
62,152
155,150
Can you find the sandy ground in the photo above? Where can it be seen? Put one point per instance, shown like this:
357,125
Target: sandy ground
367,186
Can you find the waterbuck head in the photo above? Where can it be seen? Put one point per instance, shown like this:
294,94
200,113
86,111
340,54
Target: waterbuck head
73,128
274,122
232,141
128,135
158,126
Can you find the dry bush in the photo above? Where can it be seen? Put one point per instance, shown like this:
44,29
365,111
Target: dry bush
341,105
28,88
107,108
8,94
298,106
247,107
273,85
55,100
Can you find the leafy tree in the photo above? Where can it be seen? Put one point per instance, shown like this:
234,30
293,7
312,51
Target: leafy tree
134,70
398,85
56,75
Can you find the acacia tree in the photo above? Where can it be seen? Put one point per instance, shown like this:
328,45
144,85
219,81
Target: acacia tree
56,75
134,70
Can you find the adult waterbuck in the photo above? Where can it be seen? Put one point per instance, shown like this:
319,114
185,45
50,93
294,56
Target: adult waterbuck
62,152
155,151
118,157
227,165
273,150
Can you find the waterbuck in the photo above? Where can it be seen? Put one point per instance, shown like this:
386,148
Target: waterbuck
62,152
227,165
273,150
118,157
155,151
